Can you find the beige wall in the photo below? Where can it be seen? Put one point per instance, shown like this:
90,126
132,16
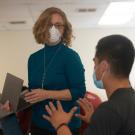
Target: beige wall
16,46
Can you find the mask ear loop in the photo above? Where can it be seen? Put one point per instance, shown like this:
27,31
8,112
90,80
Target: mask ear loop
103,76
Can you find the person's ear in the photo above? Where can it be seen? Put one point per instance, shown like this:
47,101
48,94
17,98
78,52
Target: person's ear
105,65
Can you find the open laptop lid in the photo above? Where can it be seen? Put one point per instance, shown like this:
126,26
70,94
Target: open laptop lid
11,91
23,104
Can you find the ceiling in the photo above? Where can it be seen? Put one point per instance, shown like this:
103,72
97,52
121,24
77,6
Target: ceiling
25,12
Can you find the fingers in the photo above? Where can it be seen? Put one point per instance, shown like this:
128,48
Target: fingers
48,110
52,107
79,116
55,113
83,104
88,103
59,106
24,92
5,106
46,117
87,108
28,94
72,111
32,97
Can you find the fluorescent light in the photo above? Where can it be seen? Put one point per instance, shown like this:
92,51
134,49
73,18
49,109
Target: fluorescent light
118,13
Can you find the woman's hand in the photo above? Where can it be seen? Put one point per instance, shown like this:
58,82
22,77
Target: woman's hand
5,107
36,95
87,108
57,115
24,92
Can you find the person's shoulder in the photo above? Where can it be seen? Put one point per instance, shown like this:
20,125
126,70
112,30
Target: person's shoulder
102,109
68,52
105,107
36,54
123,96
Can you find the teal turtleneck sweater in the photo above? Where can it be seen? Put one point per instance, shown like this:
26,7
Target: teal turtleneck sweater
64,70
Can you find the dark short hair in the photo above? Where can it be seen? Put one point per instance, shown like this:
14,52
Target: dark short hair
119,51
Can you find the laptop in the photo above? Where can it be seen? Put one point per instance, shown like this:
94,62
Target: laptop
22,104
12,92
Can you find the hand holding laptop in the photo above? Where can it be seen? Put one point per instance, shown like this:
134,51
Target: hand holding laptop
6,106
12,91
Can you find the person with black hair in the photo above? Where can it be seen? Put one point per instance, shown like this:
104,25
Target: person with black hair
113,61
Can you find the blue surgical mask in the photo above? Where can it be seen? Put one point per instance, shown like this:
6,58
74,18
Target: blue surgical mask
98,83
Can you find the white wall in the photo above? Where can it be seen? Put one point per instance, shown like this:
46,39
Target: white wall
16,46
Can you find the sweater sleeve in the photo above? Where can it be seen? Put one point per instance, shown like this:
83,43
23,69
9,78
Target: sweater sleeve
75,75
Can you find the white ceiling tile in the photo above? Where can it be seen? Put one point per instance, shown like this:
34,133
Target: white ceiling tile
67,1
70,10
13,11
2,2
29,11
28,25
77,19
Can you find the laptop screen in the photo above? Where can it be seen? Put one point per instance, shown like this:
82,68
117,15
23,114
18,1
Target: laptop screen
11,90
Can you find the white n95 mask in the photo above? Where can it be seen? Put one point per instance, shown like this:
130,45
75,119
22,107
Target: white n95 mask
55,35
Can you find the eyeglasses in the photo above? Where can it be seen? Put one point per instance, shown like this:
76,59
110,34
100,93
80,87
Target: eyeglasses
57,25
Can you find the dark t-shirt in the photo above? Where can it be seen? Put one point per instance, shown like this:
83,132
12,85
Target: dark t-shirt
116,116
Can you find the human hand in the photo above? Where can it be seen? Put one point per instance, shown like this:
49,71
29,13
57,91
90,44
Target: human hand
35,96
87,108
24,92
57,116
5,107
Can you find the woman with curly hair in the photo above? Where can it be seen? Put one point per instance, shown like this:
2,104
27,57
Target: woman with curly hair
55,72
